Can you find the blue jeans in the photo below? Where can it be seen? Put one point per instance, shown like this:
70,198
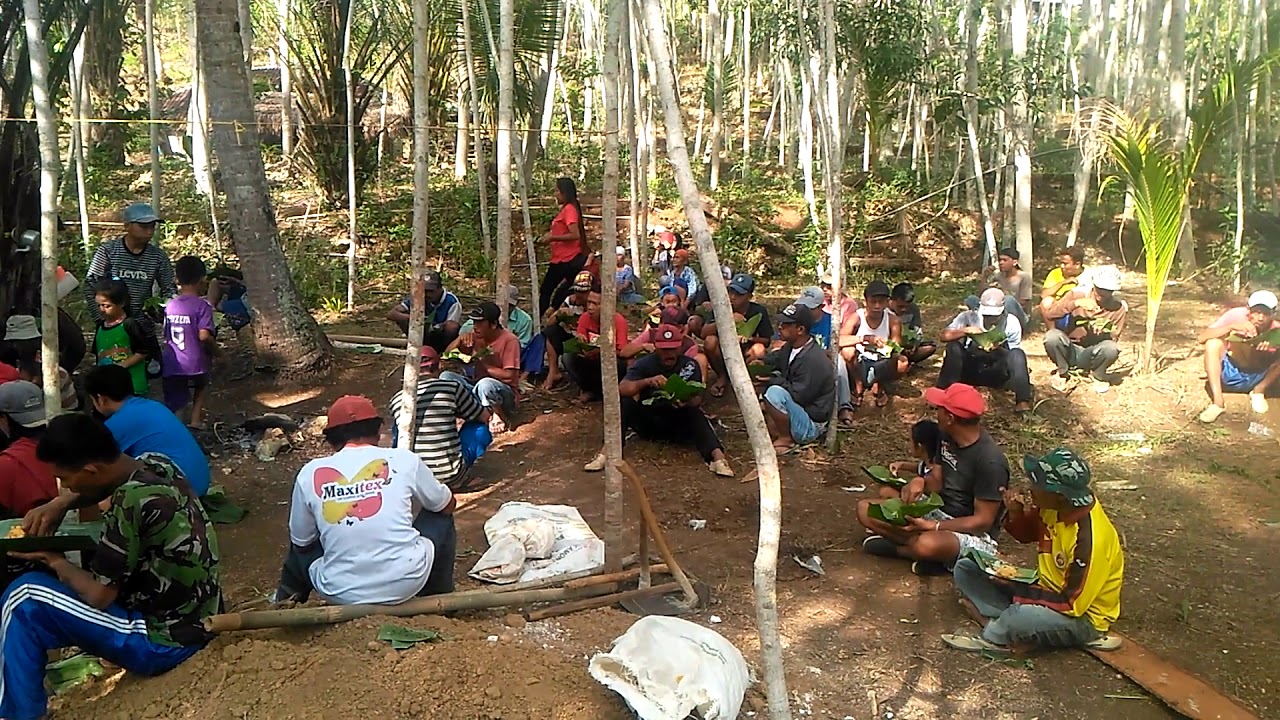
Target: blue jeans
803,428
1015,624
630,298
40,614
492,394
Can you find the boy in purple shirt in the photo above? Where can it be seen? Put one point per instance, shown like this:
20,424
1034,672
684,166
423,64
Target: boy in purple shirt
188,341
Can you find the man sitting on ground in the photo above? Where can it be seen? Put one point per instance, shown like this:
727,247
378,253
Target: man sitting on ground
800,394
1000,364
559,323
1081,565
585,367
902,301
520,323
971,479
141,425
1237,360
495,363
663,419
646,342
1016,284
443,313
1089,342
700,304
741,293
441,404
865,346
25,482
1070,275
152,579
367,524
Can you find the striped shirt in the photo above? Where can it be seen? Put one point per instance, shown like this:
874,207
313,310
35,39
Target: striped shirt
146,273
441,404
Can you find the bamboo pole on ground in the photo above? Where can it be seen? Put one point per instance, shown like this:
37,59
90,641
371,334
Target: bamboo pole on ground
599,602
653,528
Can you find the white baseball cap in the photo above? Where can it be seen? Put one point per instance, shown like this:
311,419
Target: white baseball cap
620,250
1107,277
992,302
1265,298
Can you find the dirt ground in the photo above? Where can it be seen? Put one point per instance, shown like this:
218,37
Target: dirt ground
1202,585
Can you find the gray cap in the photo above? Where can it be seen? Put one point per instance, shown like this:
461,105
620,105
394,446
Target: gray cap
23,402
140,213
812,298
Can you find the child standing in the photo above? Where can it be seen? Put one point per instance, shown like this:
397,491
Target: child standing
188,341
121,339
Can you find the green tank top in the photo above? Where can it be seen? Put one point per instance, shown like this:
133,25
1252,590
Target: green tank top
112,347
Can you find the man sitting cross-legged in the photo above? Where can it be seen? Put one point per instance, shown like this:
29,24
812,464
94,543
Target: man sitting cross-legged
664,419
645,342
585,367
865,338
1246,364
1081,566
1094,320
367,524
902,301
441,404
495,363
971,479
741,291
153,577
1003,364
801,391
558,325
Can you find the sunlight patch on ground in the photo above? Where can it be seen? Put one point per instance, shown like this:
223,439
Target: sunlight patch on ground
276,400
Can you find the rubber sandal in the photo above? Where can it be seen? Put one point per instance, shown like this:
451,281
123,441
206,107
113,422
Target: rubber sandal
717,390
882,399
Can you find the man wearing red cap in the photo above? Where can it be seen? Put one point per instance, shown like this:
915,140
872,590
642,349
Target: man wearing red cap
971,479
662,418
367,524
441,403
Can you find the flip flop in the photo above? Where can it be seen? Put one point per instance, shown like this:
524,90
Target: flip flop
717,390
882,399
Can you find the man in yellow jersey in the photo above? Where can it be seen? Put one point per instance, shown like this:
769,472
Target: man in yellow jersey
1081,568
1070,275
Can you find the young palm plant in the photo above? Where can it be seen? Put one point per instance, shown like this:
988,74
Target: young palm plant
1159,177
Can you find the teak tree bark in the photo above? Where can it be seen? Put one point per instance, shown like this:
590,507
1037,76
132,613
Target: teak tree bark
614,503
421,197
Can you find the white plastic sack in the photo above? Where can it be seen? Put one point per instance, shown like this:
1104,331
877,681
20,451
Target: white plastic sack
667,668
533,542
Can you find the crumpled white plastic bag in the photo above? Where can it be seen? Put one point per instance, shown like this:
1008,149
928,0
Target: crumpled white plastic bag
532,542
667,668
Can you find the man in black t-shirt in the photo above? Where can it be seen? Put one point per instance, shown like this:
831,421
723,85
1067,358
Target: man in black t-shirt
971,479
902,301
664,419
741,291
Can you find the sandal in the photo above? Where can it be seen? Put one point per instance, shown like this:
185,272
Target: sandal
882,399
846,418
717,389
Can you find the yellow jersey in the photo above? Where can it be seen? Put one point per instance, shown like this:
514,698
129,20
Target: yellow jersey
1054,277
1081,567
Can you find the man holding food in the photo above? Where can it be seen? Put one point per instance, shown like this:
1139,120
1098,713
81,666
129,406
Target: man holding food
970,480
1241,355
1076,596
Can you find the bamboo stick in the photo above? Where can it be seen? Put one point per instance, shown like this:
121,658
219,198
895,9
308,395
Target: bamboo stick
660,540
369,340
330,614
627,561
599,602
611,577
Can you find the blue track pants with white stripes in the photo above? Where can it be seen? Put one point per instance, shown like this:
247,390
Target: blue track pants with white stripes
39,613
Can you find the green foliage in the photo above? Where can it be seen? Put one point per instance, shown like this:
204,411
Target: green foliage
403,638
883,475
676,390
896,512
886,40
579,346
990,338
537,30
747,328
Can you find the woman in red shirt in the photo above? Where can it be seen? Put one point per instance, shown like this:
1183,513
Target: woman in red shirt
568,239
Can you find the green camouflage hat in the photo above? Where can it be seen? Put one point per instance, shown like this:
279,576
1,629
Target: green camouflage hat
1061,472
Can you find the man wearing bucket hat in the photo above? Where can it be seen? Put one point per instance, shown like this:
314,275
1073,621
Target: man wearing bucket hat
1000,363
1085,328
143,266
367,524
1076,596
1242,355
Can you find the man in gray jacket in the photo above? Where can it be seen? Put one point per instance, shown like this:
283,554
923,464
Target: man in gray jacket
802,389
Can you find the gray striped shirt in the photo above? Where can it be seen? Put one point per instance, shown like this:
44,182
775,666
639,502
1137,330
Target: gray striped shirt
147,273
441,404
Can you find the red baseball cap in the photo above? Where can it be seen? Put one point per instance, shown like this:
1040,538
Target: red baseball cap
430,358
668,337
351,408
682,254
960,400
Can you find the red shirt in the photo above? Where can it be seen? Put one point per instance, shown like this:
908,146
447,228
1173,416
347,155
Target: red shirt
566,250
506,355
589,329
25,482
8,373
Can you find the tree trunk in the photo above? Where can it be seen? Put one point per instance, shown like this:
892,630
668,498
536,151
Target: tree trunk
421,207
482,172
47,128
462,142
286,81
766,562
506,109
153,98
78,135
287,337
104,43
744,79
349,88
244,20
1021,134
971,125
614,514
806,143
1178,116
716,139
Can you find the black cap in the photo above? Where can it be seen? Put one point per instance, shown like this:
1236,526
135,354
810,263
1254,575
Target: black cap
1010,253
432,280
877,288
795,314
487,312
742,284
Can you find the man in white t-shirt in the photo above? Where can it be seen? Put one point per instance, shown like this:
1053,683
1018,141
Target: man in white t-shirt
977,355
367,524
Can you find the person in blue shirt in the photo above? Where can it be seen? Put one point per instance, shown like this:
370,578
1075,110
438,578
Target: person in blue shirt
443,314
144,426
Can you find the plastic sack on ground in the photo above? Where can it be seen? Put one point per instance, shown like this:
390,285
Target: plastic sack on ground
533,542
667,669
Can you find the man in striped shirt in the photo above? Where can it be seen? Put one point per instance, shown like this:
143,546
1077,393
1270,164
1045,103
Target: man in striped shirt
144,267
441,404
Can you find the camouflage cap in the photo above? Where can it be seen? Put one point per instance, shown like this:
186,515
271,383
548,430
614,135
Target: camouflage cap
1061,472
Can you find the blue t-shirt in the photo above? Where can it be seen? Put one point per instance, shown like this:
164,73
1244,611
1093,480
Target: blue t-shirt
142,425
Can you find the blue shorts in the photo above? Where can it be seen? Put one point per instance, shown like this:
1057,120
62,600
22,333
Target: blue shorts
1235,380
803,429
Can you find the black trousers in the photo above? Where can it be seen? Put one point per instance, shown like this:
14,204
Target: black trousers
1002,368
295,575
676,425
556,335
557,283
587,373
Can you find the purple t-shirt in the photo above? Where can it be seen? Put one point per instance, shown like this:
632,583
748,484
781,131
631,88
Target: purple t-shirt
184,317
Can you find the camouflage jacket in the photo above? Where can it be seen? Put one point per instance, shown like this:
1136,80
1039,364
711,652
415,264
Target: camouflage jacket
159,548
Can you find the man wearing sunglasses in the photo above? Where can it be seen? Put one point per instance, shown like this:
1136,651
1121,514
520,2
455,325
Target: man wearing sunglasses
144,267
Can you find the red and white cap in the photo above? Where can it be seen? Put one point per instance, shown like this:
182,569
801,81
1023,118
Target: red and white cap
668,337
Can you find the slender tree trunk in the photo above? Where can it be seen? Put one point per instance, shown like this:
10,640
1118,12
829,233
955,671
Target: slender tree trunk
971,125
553,71
244,17
716,141
635,142
421,208
806,143
1178,118
153,98
531,252
744,79
349,86
286,80
506,109
287,337
47,129
613,499
766,459
1021,134
78,134
477,142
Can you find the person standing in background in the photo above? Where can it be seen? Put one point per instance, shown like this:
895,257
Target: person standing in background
132,258
569,249
188,342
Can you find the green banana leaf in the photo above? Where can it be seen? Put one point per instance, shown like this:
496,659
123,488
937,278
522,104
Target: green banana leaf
747,328
911,337
706,313
403,638
220,508
566,317
1271,336
578,346
677,389
882,474
990,339
456,354
66,674
896,512
990,564
759,369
